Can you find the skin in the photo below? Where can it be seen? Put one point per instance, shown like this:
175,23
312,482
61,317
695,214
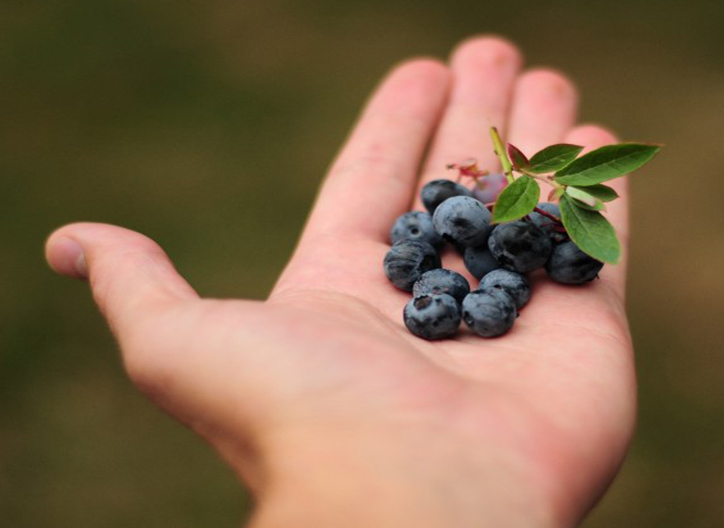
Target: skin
330,411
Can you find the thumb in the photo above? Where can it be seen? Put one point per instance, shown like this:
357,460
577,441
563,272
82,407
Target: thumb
130,275
135,285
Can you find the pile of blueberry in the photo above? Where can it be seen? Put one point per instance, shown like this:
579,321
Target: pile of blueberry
499,256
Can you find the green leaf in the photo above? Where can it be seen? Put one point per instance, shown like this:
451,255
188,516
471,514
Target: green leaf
556,194
590,231
600,191
517,200
517,157
553,158
598,206
588,201
606,163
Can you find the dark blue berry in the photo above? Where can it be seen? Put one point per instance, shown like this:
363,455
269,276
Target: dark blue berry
501,294
520,246
492,185
489,314
512,283
415,225
440,281
462,220
432,316
437,191
554,229
569,265
479,261
407,260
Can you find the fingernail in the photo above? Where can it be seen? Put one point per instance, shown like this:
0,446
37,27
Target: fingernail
66,257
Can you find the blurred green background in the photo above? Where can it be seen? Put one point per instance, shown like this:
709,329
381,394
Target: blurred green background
208,124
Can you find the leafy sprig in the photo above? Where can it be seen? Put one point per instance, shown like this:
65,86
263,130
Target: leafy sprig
577,183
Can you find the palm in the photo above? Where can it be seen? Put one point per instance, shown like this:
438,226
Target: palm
564,370
562,377
328,350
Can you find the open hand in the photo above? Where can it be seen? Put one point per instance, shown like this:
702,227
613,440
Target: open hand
328,408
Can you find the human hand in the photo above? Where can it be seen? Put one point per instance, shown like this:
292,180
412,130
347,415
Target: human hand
322,401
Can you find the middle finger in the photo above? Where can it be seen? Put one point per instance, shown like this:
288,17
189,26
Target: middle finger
484,71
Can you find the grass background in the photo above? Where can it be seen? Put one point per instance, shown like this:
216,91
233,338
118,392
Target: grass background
208,124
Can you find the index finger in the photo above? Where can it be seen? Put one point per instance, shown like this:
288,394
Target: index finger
373,179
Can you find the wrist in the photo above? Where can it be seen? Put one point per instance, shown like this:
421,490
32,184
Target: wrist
370,480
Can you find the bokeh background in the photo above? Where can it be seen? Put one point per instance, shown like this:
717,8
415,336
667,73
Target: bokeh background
208,124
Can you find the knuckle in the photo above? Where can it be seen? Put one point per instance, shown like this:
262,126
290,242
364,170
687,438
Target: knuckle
376,164
152,350
149,365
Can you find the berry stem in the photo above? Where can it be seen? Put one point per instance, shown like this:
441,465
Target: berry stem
544,179
547,214
502,156
469,169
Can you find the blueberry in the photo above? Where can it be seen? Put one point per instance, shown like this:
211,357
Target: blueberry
437,191
553,229
462,220
440,281
479,261
569,265
432,316
415,225
492,185
500,294
407,260
489,314
512,283
520,246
